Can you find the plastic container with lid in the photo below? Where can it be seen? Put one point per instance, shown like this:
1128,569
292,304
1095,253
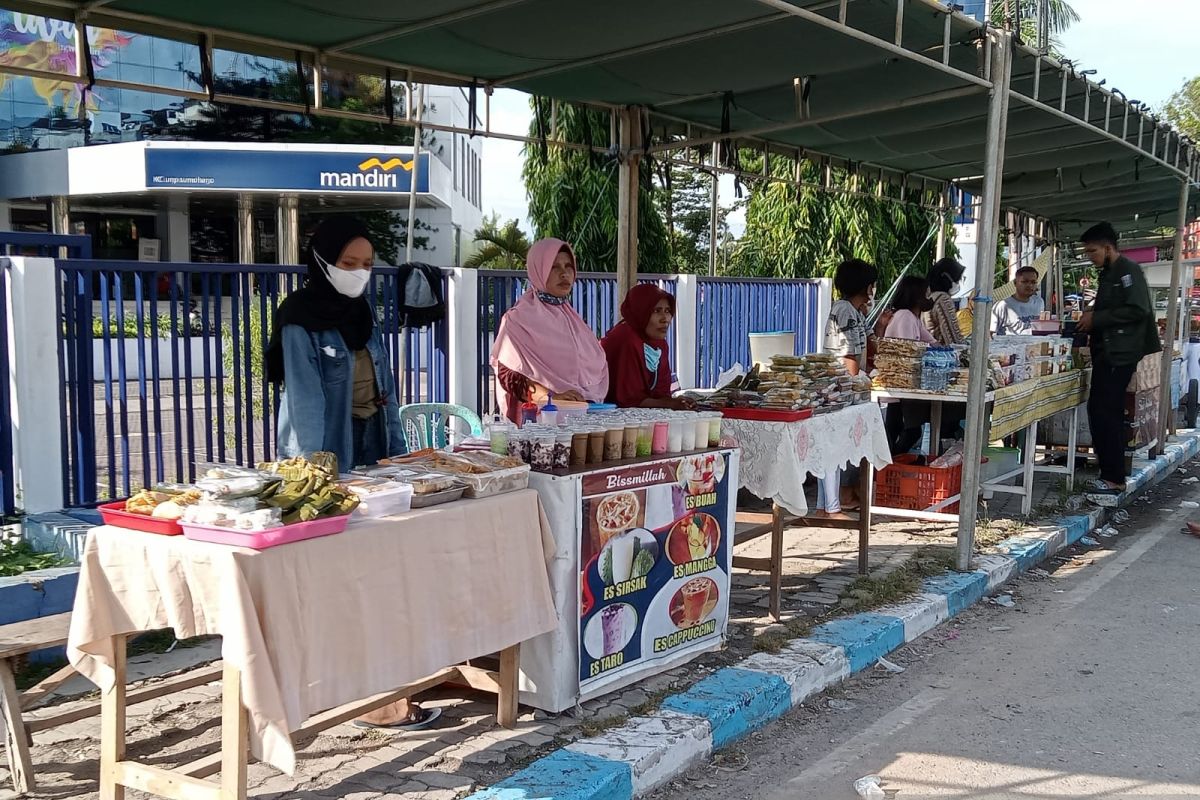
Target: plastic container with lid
614,437
645,440
629,443
688,436
378,498
549,413
660,440
701,424
675,436
595,452
562,449
714,428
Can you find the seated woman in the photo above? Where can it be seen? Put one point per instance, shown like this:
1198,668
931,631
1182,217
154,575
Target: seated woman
543,346
905,419
339,394
639,358
942,318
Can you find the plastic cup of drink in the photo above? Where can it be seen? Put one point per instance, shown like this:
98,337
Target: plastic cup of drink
695,597
701,432
612,622
688,437
595,453
630,440
621,548
579,447
614,437
675,436
562,449
645,440
659,442
714,428
543,452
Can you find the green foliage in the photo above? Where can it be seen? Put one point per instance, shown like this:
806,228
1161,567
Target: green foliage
806,232
129,328
685,201
1061,16
1183,109
16,557
573,194
500,246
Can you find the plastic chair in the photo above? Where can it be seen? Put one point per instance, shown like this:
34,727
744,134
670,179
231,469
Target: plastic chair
425,424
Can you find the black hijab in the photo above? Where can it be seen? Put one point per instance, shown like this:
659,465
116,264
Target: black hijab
317,306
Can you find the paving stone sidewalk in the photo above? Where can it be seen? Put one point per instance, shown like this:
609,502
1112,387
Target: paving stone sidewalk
467,749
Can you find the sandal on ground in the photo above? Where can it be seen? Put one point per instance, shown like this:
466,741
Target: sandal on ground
1098,486
418,719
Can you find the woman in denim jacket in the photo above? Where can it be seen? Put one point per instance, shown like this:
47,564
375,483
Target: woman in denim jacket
338,388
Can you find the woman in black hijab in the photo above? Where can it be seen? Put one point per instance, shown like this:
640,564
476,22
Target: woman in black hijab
338,388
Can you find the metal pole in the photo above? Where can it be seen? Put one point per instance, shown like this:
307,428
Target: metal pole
1169,336
713,213
60,219
627,201
943,204
287,238
416,171
985,265
245,228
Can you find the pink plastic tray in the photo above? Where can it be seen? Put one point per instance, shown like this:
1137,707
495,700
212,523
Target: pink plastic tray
272,537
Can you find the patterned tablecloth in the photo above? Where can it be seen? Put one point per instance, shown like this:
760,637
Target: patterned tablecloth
1021,404
778,456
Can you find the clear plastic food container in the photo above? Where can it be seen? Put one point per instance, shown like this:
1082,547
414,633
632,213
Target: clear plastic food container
381,498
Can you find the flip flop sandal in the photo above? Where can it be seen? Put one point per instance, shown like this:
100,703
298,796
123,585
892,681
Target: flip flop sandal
424,719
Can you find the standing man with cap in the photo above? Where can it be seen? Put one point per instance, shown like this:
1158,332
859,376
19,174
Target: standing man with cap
1123,331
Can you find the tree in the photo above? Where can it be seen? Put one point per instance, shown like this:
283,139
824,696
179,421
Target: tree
502,247
1060,16
573,193
1183,109
806,232
685,200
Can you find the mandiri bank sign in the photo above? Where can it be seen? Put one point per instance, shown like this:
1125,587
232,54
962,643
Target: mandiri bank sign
293,171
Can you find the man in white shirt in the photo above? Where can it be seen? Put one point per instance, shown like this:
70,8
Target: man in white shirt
1015,315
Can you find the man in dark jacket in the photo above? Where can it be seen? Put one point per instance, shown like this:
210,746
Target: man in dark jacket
1123,330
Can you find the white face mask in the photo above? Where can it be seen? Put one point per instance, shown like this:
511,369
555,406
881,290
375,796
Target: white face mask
347,282
955,288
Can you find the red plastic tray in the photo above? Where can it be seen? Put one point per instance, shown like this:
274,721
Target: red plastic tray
766,414
272,537
115,514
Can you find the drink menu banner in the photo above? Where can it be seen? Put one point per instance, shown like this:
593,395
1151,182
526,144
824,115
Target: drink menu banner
654,563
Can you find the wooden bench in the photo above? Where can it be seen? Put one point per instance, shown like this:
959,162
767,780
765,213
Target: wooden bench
21,638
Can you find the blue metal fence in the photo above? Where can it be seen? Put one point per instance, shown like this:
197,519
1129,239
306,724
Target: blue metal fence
728,310
7,478
594,296
161,367
44,245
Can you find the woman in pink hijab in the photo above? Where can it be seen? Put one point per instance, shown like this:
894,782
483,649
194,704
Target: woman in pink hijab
543,346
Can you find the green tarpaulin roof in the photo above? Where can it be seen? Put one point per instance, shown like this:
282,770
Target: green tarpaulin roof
887,101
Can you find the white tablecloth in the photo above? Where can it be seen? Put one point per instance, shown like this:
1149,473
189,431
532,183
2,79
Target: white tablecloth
777,456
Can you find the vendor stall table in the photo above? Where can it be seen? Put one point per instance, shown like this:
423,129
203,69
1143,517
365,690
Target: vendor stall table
644,546
1019,407
777,457
381,611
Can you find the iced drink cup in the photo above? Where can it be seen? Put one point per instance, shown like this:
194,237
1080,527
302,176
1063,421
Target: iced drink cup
645,440
621,548
701,432
629,441
579,448
675,436
695,597
659,442
714,429
688,437
612,622
614,437
595,453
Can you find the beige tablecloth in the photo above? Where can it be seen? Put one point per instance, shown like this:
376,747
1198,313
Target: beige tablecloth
316,624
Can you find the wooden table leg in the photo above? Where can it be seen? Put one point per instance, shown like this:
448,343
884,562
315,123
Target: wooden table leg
864,516
776,559
16,741
510,670
112,727
235,735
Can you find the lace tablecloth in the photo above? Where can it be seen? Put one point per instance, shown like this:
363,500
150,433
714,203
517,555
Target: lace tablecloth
777,456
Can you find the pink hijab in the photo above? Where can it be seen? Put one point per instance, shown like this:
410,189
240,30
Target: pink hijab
549,344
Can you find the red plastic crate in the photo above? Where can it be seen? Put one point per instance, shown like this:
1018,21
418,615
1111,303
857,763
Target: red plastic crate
115,514
905,484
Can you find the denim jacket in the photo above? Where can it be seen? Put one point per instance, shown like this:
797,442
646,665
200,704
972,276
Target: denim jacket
314,409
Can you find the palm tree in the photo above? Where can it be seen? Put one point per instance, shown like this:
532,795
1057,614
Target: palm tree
501,247
1059,16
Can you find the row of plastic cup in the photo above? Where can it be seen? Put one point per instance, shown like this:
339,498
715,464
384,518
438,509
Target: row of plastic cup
613,436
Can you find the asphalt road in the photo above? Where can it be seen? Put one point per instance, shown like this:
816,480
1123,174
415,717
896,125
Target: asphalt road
1088,688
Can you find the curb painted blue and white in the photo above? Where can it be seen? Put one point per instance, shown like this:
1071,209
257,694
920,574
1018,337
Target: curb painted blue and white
640,756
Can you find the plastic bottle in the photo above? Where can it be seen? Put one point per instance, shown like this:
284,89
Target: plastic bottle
529,413
549,413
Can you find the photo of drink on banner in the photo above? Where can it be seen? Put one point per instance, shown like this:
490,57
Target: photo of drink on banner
654,564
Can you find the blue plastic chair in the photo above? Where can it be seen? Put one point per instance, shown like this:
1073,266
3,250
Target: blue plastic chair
425,424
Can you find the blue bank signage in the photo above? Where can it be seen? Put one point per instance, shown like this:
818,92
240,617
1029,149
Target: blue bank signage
293,171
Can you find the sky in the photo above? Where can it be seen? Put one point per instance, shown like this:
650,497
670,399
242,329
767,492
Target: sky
1145,48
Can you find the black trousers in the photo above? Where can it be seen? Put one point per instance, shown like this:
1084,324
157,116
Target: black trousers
1106,416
